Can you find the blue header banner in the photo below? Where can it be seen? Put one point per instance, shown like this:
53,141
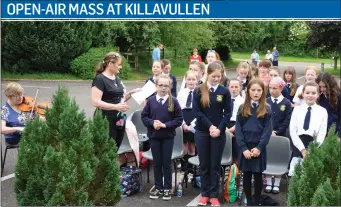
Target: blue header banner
177,9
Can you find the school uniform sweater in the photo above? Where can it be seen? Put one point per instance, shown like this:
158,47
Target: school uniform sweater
253,130
281,114
333,115
287,86
217,114
174,83
155,111
284,92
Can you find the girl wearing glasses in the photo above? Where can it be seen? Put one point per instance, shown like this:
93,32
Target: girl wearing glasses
212,106
162,115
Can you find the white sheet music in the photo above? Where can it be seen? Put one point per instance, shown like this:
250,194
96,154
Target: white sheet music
148,89
191,127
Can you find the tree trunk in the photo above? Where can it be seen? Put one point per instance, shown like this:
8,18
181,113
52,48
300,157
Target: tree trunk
335,62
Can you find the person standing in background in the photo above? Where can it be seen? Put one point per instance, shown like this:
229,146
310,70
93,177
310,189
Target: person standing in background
275,55
195,56
269,56
157,52
254,57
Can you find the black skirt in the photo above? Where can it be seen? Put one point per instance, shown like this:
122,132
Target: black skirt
306,139
255,164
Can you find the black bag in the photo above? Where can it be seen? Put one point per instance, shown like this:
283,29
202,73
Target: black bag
266,200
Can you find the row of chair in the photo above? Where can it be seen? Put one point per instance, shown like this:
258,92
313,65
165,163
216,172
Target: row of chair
279,152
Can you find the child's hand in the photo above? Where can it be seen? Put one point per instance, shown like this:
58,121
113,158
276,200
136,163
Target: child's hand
304,153
255,152
156,125
186,128
215,133
247,154
273,133
212,127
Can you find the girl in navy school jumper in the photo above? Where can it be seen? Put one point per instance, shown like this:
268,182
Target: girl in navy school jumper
185,98
289,76
253,132
244,75
212,107
167,67
281,114
307,120
157,68
162,115
273,73
330,99
235,88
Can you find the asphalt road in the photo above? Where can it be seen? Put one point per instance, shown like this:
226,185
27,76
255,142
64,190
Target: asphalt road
80,90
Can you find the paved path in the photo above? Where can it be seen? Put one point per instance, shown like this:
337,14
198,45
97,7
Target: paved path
80,90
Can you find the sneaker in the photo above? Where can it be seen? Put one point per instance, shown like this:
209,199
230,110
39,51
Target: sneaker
166,195
268,189
156,194
214,202
203,201
275,190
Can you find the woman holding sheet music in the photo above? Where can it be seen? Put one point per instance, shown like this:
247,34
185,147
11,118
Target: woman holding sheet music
108,94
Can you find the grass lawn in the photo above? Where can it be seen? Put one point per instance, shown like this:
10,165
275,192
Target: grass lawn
333,71
40,76
246,55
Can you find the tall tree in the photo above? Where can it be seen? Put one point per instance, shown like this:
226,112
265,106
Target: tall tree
326,34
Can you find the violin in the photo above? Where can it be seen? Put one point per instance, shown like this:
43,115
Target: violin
29,104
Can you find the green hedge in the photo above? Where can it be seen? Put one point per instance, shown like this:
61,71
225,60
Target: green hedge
85,65
317,181
43,46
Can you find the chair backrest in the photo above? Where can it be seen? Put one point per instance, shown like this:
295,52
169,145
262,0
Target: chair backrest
136,119
227,153
125,141
279,151
179,141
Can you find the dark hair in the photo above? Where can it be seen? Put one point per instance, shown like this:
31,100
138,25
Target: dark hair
332,88
264,63
111,57
262,109
166,62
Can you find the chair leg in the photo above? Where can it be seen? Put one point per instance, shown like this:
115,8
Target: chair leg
286,192
176,176
186,174
148,171
3,163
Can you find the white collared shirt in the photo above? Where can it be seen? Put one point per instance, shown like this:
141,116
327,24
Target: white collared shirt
243,81
279,99
252,101
296,99
238,100
214,87
164,98
182,97
317,125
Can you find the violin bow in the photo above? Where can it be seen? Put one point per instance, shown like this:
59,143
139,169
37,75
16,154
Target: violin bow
34,102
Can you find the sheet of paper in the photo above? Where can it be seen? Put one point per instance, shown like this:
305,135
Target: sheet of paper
191,127
148,89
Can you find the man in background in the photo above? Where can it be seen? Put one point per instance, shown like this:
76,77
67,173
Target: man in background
275,55
157,52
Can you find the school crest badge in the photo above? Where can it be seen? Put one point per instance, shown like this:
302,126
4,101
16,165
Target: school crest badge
219,98
282,108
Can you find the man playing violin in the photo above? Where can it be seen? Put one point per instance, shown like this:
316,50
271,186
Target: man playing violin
13,117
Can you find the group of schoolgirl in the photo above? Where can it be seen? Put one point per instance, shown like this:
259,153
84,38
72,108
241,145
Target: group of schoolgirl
305,111
255,105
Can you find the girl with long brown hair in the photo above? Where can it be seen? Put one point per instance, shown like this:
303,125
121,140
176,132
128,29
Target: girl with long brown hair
212,107
253,132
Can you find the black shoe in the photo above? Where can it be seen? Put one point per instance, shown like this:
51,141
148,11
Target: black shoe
166,195
155,194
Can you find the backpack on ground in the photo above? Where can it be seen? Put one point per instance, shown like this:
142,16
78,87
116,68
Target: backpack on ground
230,193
